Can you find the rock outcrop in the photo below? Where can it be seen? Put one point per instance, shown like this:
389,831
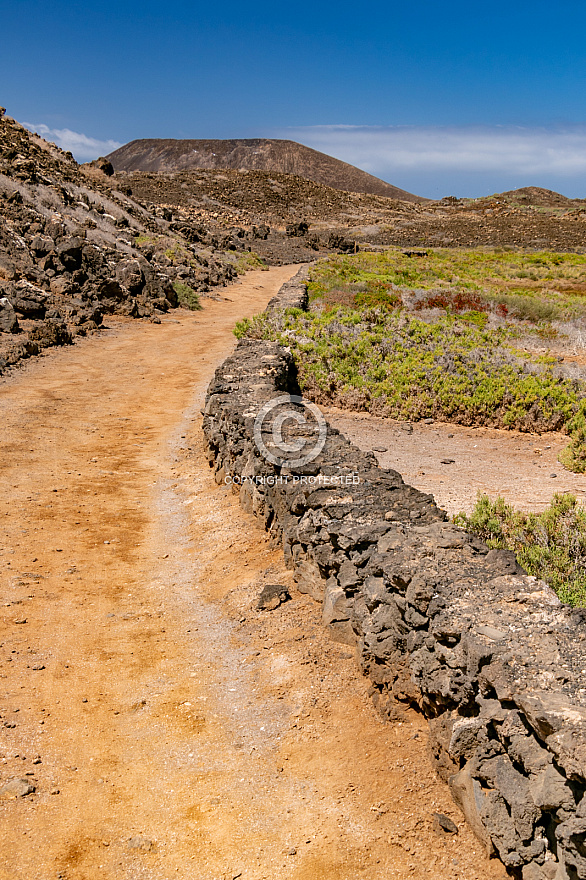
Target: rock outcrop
439,621
75,246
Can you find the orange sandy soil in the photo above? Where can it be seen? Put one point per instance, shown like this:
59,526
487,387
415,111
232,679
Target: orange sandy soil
169,728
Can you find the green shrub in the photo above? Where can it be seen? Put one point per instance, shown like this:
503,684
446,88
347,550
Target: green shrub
454,369
243,328
574,456
380,298
143,238
550,545
177,253
187,296
460,279
244,262
530,308
361,343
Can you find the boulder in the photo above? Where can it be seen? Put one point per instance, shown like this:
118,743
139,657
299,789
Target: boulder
272,595
49,333
29,301
297,229
70,252
130,274
42,245
105,166
8,319
17,788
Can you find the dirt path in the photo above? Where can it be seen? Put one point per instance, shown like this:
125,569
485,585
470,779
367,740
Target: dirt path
170,729
454,463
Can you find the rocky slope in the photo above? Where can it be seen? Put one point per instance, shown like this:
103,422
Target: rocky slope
320,218
258,154
75,246
285,218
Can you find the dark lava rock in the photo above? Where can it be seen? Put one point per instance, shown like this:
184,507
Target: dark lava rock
50,333
272,596
442,824
297,229
8,319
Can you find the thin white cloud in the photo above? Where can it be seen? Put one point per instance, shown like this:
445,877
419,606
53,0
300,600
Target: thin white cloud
84,148
502,149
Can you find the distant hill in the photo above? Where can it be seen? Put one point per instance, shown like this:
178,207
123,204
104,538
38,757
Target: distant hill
259,154
539,197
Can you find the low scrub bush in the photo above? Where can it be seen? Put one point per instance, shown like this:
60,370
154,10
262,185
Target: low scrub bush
397,365
452,301
186,296
465,280
475,270
245,262
529,308
361,347
378,298
550,545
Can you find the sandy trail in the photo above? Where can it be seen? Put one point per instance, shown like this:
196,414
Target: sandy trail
169,728
454,463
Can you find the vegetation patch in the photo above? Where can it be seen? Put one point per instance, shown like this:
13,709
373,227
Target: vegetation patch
532,287
186,296
244,262
407,368
417,351
550,545
178,253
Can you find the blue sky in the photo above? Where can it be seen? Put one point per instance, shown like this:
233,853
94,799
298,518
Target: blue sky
438,98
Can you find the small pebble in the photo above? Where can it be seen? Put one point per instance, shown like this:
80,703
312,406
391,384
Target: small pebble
442,824
17,788
141,843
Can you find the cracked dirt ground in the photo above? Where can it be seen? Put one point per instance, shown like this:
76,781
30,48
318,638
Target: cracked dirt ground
170,729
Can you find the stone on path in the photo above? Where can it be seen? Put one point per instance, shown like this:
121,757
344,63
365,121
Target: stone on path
16,788
272,596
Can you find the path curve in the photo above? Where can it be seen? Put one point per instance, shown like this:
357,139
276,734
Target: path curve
169,729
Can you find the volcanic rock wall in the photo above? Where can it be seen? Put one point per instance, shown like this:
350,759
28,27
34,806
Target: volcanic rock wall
439,621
